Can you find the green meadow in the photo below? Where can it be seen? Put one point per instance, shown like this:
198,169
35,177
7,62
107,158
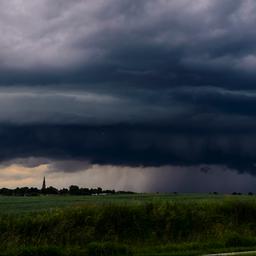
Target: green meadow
139,224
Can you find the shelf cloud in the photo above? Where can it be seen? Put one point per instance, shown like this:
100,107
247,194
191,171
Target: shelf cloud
128,83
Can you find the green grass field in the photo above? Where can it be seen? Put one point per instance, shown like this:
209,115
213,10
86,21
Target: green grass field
140,224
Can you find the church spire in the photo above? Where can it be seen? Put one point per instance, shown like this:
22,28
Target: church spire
44,184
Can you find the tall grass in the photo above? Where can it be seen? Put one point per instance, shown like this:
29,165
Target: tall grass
126,229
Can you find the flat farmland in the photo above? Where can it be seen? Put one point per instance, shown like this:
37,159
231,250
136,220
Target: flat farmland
16,204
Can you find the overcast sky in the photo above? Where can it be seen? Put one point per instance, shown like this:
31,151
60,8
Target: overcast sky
151,86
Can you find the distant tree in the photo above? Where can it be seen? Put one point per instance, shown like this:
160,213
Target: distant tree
109,191
63,191
51,191
99,190
33,192
6,192
74,190
85,191
25,191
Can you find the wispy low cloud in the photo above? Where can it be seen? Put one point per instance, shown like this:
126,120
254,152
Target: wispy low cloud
195,106
50,106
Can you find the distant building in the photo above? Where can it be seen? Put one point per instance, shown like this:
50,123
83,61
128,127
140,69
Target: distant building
44,185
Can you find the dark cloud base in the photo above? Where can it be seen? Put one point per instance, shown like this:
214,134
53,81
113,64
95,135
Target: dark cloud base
130,145
184,70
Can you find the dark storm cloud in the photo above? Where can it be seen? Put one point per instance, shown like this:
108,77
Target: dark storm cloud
189,127
209,107
216,100
134,83
124,145
139,43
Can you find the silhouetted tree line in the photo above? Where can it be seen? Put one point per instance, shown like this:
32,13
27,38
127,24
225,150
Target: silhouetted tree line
72,190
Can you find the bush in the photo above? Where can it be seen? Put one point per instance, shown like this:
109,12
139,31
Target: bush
34,251
236,240
108,249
